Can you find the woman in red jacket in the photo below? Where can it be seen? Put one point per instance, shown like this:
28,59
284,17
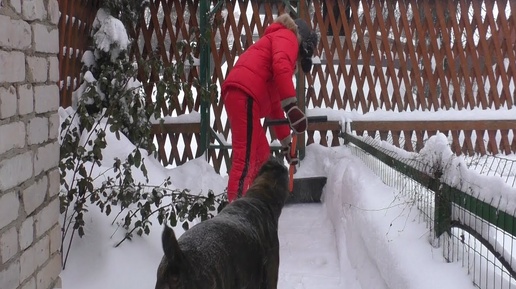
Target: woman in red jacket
260,85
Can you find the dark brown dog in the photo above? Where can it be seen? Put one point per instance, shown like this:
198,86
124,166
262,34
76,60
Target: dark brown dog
238,248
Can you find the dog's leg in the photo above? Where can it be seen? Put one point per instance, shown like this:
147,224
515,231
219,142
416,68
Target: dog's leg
271,270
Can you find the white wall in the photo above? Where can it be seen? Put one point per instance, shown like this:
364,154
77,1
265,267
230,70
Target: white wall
29,152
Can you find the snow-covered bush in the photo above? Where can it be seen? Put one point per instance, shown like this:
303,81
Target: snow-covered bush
110,88
111,101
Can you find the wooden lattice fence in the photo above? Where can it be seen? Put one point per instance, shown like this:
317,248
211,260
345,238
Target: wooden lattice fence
75,24
372,55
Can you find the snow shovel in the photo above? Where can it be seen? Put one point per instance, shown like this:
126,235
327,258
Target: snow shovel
307,189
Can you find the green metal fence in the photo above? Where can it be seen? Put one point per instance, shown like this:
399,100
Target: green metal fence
471,228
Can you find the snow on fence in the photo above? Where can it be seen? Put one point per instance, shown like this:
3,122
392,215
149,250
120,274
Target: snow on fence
467,137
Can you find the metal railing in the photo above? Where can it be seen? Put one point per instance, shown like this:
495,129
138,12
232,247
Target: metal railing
472,228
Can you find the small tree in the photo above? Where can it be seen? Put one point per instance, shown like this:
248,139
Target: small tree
111,100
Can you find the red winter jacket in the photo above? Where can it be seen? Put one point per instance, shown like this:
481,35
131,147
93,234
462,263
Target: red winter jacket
266,69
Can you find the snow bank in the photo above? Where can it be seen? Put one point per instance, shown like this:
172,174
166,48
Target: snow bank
378,230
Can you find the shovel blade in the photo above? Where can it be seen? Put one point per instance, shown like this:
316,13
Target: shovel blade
307,190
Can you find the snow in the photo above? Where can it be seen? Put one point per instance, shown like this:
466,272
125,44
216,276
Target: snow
362,235
193,117
110,35
441,115
89,79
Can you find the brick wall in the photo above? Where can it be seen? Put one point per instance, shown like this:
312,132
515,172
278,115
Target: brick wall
29,152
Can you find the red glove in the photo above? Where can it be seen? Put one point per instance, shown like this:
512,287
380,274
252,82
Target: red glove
296,118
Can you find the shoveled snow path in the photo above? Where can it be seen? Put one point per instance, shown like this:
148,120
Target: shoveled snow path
308,251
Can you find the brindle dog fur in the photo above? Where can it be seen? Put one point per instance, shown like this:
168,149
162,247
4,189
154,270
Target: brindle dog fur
238,248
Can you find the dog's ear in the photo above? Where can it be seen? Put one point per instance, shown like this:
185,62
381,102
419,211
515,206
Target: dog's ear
171,248
168,276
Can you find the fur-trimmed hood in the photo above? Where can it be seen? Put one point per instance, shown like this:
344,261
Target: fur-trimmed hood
289,23
306,38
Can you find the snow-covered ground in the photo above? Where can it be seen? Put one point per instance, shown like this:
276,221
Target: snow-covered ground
360,236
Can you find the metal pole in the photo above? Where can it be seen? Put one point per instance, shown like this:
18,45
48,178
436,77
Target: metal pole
205,75
302,12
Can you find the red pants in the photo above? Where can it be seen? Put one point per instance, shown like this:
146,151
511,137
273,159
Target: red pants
250,145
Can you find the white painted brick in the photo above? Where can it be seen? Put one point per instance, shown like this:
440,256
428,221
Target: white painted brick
8,244
47,218
58,284
14,171
53,11
48,274
37,130
53,183
9,205
34,10
10,277
8,102
46,158
55,239
17,6
31,284
47,98
15,60
28,263
34,257
25,99
53,126
46,39
26,236
38,69
13,136
14,34
53,69
34,195
42,251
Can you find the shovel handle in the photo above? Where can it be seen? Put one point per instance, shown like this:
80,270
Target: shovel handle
311,119
292,167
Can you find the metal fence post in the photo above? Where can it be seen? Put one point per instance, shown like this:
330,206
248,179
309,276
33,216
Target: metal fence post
204,75
442,209
302,12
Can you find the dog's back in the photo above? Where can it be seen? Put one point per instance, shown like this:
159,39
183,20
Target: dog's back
238,248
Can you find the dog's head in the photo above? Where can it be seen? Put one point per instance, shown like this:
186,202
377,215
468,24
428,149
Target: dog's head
271,183
172,271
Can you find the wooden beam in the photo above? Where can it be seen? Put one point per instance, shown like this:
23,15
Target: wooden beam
176,128
324,126
433,125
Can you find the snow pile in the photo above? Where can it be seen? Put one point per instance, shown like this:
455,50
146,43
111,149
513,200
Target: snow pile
455,173
378,231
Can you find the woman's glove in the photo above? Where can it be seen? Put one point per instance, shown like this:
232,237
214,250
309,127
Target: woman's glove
296,118
286,145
